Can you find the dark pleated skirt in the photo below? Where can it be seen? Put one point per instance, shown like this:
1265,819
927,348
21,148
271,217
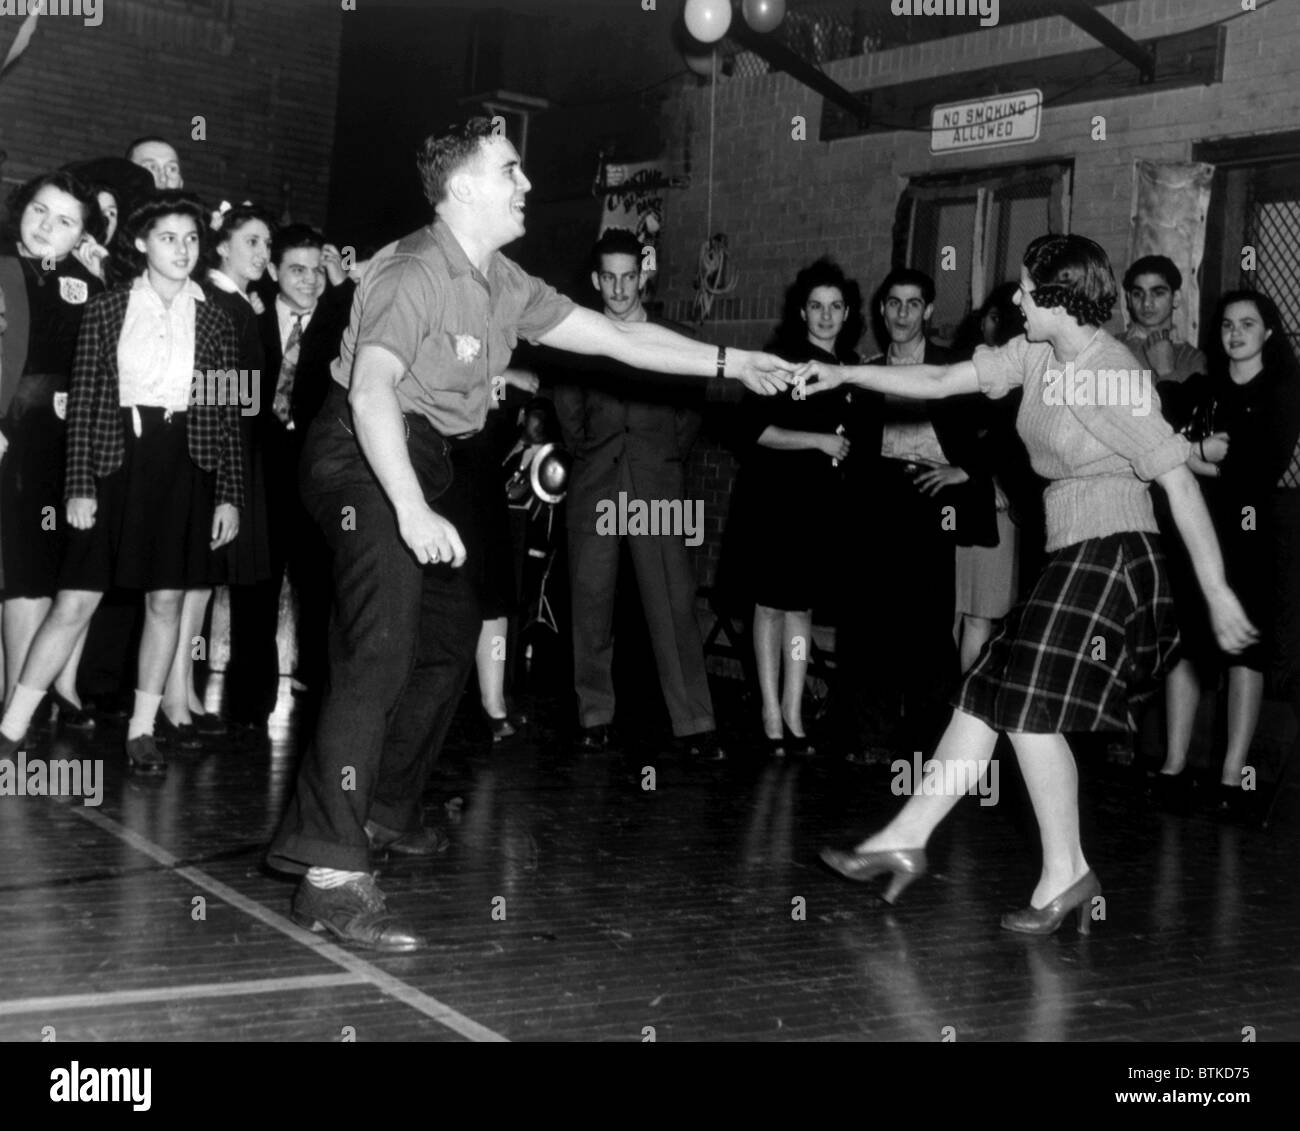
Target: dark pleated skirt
153,525
248,558
32,515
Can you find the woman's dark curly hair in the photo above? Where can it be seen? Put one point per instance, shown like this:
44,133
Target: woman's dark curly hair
127,262
231,221
792,333
1074,273
92,219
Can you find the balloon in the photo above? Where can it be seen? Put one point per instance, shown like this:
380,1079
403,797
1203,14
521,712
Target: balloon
764,15
701,63
708,20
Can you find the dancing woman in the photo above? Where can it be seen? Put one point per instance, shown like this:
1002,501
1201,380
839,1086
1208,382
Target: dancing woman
1098,628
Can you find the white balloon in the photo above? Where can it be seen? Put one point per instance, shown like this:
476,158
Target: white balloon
708,20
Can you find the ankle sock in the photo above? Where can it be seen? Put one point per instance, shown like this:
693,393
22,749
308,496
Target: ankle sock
142,717
22,709
331,877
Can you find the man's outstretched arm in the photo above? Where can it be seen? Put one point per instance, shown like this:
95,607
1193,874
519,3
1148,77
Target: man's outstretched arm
644,345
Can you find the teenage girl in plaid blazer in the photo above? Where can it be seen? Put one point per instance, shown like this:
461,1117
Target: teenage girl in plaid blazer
153,483
1098,630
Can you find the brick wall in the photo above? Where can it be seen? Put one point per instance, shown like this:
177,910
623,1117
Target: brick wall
782,203
263,73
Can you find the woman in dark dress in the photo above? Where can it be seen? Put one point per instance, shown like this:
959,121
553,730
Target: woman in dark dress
240,250
1249,406
46,290
790,496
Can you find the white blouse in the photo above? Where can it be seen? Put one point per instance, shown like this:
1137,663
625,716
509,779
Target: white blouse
155,354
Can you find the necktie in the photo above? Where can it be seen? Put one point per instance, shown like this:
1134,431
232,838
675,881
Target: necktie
288,367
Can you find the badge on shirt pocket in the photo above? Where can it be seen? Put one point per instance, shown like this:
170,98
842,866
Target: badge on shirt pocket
61,405
468,347
73,291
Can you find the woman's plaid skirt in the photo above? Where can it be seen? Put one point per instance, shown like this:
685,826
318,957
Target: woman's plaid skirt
1092,640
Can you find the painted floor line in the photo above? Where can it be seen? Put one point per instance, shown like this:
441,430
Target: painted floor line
380,979
201,990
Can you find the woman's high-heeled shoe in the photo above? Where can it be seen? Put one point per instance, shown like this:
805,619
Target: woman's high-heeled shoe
71,716
903,864
1045,920
798,744
507,725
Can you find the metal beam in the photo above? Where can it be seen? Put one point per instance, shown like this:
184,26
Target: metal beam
782,58
1108,35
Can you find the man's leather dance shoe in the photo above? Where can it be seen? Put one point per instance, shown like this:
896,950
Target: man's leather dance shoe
355,913
903,865
427,841
596,738
1045,920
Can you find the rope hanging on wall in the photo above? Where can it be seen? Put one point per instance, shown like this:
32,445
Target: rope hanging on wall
713,274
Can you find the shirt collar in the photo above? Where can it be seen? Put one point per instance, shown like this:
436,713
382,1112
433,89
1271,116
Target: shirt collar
913,355
224,282
457,261
286,314
191,289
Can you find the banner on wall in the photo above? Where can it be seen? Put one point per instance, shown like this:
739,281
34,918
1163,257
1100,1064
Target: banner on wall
1171,201
634,199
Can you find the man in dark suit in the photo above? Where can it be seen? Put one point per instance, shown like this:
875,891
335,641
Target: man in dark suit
926,493
630,437
301,331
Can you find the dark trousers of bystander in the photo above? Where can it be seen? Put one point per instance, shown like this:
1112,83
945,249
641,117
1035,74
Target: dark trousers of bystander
401,647
895,654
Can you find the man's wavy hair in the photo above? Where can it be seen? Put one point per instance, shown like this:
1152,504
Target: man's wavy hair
1074,273
792,333
444,154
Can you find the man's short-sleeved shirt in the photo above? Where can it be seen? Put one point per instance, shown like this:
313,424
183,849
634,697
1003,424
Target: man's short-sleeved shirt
452,328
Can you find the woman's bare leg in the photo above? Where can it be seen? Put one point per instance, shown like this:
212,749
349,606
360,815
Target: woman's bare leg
968,740
1052,779
796,642
1245,696
767,655
1182,697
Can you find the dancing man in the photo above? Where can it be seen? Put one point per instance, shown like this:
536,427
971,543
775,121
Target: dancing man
435,318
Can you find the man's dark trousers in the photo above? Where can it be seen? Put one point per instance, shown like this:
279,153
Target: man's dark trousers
900,644
401,647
